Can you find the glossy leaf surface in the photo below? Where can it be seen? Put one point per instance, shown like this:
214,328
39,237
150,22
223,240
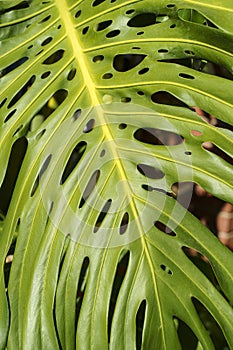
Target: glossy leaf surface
101,95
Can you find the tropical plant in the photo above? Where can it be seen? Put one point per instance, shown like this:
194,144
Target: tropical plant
97,126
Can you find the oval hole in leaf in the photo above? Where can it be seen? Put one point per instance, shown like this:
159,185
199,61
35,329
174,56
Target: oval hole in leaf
120,273
159,225
97,2
78,14
76,114
162,51
15,161
143,71
142,20
41,173
125,62
189,53
150,171
89,187
211,325
107,76
22,91
89,126
102,215
186,76
166,269
3,102
122,126
124,223
125,99
113,33
154,136
73,160
55,57
45,74
81,288
47,41
147,188
71,74
187,338
165,98
38,53
98,58
102,153
85,30
140,320
13,66
103,25
9,115
128,12
45,19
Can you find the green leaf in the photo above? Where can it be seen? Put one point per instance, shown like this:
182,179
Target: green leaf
101,95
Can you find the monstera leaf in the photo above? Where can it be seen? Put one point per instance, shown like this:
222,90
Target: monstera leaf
98,123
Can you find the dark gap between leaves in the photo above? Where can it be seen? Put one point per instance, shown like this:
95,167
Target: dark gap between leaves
203,265
211,325
22,5
140,320
43,169
13,66
219,152
120,273
58,98
8,262
166,98
81,288
15,161
187,337
54,306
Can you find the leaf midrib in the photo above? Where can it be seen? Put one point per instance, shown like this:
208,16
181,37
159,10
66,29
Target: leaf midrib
79,54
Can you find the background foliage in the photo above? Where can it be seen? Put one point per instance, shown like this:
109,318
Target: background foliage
97,129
